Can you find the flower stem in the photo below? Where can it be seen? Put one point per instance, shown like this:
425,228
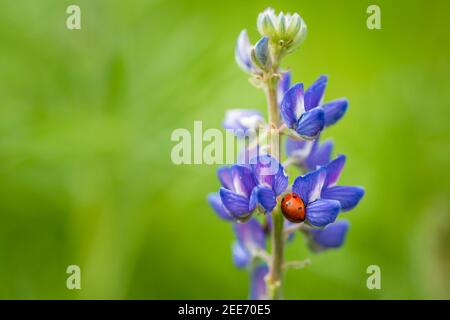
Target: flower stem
274,279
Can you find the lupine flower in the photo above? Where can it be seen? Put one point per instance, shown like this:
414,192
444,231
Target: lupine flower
333,110
272,179
332,236
309,155
285,30
215,202
305,203
307,124
260,54
242,119
242,52
259,180
250,238
348,196
301,110
238,191
244,187
258,290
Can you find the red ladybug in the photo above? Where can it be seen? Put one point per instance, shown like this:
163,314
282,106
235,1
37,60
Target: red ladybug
293,208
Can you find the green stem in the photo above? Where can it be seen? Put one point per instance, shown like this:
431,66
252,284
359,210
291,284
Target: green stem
275,277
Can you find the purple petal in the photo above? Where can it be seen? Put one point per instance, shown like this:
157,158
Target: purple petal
266,198
242,119
348,197
322,212
243,179
236,204
311,123
294,146
241,256
332,236
334,169
250,234
320,155
269,172
258,289
224,175
215,202
309,186
283,86
334,111
291,106
314,94
243,51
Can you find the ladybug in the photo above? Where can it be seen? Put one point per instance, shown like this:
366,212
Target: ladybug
293,208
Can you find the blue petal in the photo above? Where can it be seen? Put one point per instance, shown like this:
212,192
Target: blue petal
241,256
242,119
283,86
291,106
236,204
250,234
262,51
334,169
269,172
243,179
215,202
295,146
332,236
311,123
224,175
309,186
334,111
314,94
243,51
322,212
258,289
320,155
348,197
266,198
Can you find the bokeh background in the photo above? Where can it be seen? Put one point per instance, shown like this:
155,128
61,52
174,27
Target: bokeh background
85,123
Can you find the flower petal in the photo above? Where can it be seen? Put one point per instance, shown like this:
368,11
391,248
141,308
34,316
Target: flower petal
311,123
348,197
269,172
334,111
283,85
314,94
241,256
332,236
236,204
243,179
298,149
215,202
242,119
258,289
250,234
224,175
266,198
334,169
291,106
320,155
322,212
309,186
242,52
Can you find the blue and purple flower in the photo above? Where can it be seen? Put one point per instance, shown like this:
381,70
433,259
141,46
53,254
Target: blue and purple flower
348,196
305,202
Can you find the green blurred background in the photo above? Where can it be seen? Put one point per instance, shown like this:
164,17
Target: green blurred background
85,122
